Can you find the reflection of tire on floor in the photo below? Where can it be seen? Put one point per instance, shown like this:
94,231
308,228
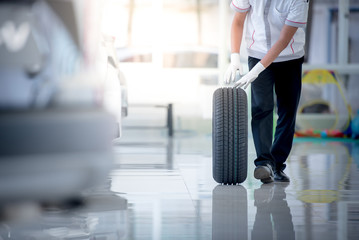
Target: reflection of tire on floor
230,135
229,213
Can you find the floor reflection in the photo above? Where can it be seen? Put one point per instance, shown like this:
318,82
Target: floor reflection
145,155
321,165
326,181
229,212
273,219
102,215
163,188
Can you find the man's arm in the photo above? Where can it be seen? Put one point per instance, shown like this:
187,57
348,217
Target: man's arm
285,37
236,40
237,31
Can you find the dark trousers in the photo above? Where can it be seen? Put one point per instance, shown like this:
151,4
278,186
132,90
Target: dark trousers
285,78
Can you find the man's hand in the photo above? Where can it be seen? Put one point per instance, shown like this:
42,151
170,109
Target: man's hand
250,77
233,67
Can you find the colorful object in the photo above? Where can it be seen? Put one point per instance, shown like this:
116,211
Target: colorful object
355,126
323,104
320,134
318,196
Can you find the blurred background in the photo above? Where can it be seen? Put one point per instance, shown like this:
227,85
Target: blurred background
106,120
183,46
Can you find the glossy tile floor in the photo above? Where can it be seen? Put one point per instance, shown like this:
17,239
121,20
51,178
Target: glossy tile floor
162,188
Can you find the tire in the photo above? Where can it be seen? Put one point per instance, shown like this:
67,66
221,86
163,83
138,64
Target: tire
230,135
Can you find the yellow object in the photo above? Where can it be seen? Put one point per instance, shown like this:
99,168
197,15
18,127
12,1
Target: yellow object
333,120
318,196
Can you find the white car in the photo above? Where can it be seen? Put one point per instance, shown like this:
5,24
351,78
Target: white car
55,132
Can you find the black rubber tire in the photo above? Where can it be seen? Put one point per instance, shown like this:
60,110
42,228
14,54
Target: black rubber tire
230,135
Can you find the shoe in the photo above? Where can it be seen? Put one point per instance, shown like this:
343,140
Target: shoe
279,191
280,176
263,195
264,173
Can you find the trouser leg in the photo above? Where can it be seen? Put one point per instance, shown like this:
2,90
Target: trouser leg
262,227
262,114
281,216
288,83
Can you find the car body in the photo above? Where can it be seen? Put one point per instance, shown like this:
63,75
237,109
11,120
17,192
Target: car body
55,129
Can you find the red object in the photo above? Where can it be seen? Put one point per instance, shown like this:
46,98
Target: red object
317,134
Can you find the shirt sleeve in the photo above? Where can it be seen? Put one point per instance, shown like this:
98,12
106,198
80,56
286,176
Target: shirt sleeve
298,13
240,5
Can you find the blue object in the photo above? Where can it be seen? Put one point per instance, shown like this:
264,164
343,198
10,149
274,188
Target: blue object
323,134
355,126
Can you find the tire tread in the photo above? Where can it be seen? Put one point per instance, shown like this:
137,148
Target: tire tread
230,135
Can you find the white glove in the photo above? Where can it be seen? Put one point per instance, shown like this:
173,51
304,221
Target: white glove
251,76
232,68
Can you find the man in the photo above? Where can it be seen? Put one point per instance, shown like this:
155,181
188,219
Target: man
275,38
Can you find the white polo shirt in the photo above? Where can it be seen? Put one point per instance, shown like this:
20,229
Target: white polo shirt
265,20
